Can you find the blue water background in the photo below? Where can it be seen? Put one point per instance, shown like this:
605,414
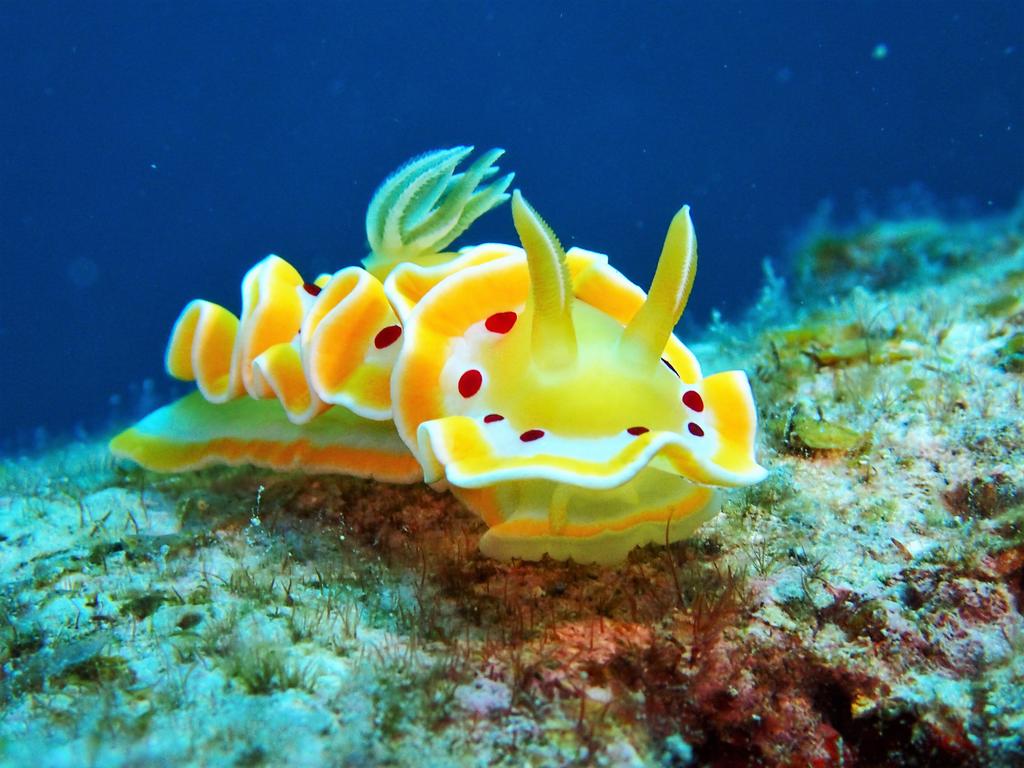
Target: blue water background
152,152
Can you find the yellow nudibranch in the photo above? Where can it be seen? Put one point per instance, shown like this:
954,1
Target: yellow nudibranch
541,386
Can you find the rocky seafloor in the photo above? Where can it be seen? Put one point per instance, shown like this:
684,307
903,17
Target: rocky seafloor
861,607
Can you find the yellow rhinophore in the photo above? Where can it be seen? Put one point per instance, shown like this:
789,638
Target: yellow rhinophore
545,389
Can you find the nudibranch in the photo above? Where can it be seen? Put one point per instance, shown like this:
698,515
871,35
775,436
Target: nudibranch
301,380
541,386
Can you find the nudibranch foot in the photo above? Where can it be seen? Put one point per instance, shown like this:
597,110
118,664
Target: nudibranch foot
591,526
193,433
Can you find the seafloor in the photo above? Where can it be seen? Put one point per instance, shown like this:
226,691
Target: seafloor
861,607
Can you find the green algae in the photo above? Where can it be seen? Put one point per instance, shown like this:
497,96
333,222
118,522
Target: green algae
855,351
820,332
144,604
1003,305
841,345
891,254
818,434
262,668
1011,354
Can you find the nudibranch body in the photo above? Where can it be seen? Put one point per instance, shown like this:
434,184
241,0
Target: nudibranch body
541,386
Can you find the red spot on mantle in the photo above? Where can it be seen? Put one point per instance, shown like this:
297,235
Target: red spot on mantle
693,401
501,322
311,288
490,418
469,382
695,430
637,430
531,434
387,336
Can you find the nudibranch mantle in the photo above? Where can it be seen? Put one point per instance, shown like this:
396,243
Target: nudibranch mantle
607,441
541,386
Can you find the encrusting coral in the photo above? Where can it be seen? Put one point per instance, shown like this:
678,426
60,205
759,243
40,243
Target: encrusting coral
861,606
